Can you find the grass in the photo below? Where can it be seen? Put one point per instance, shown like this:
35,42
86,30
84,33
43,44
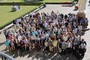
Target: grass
15,0
6,16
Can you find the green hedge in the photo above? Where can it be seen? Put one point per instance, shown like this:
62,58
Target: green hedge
58,2
20,3
76,0
33,3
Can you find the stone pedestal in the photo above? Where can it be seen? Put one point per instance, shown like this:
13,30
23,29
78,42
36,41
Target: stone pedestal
81,14
82,7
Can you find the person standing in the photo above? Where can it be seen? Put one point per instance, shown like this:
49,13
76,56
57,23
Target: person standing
55,43
59,46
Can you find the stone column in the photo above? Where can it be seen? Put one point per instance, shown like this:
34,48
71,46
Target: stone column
82,6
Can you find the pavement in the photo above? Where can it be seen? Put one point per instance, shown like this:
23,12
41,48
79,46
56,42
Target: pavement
34,55
58,9
2,40
87,33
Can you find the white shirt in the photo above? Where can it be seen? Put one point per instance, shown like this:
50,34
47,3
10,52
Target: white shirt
46,24
19,38
83,45
75,30
80,28
69,45
65,37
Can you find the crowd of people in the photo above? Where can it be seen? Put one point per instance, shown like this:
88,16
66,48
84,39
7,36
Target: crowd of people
52,32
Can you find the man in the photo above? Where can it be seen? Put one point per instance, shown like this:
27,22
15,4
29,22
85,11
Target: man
63,46
59,46
82,48
69,45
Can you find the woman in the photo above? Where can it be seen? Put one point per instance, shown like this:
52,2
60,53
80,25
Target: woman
46,45
55,45
12,47
59,46
69,46
7,42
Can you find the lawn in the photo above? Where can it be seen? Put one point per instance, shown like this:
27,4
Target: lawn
6,16
15,0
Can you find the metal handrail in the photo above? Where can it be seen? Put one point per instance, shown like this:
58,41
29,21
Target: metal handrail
6,56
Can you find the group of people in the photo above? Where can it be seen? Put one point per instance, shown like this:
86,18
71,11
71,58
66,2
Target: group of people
53,32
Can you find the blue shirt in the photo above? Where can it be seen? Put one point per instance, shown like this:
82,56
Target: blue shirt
7,42
35,33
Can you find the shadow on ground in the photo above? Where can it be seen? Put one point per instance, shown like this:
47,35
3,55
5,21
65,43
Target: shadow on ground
1,43
42,55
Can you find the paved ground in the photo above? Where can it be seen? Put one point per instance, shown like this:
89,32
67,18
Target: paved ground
33,55
2,39
87,34
58,8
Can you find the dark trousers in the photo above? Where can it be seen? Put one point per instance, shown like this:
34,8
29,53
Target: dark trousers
68,50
